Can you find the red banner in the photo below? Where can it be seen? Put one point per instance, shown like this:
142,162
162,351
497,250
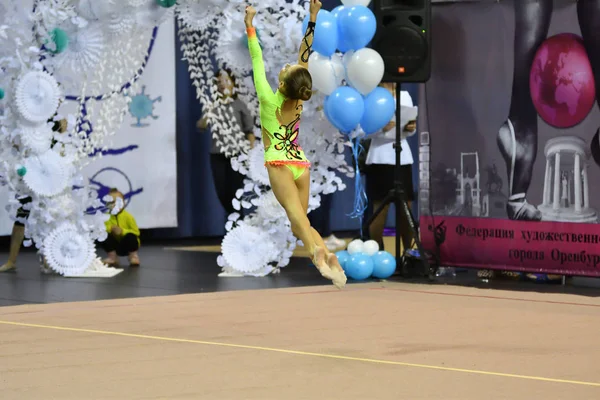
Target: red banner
547,247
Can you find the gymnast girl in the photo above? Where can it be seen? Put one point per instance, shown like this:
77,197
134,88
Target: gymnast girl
288,167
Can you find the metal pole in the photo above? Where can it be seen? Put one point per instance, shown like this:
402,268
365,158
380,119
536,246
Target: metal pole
397,178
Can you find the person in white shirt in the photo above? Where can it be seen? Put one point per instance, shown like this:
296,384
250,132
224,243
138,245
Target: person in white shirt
380,168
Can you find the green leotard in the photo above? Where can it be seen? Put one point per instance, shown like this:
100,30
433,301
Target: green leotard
284,148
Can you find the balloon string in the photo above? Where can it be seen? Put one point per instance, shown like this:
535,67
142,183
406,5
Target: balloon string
360,196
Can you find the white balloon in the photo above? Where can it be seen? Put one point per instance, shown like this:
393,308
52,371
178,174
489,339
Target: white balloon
365,70
350,3
370,247
347,56
323,73
356,246
339,69
346,59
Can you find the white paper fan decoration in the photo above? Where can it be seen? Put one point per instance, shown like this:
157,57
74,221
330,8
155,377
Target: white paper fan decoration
256,165
46,174
198,14
230,49
37,96
85,50
248,249
120,22
150,14
38,139
269,208
67,250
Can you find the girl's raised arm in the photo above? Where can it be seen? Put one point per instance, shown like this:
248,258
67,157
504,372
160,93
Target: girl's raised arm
309,35
263,89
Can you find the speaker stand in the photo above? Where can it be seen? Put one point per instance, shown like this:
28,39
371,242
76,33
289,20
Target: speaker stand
398,198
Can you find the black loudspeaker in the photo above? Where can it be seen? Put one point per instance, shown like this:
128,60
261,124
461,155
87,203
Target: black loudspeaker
403,39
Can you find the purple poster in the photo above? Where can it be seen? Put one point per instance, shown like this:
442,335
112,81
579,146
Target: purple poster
509,122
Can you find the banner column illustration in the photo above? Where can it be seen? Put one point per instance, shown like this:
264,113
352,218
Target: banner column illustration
547,182
586,190
577,179
556,197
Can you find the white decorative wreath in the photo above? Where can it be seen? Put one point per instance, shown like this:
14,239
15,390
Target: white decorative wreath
248,248
36,96
67,251
37,139
46,174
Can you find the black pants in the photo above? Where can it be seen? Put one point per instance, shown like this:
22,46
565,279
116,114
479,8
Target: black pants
127,244
226,180
380,181
320,219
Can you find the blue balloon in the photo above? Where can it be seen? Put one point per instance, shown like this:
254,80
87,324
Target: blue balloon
357,26
380,107
342,45
343,256
326,33
359,267
344,108
384,265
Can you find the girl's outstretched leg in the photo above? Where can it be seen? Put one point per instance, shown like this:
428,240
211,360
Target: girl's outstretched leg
303,185
287,193
331,259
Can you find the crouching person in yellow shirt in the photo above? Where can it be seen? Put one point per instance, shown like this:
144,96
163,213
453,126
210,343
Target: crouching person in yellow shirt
123,233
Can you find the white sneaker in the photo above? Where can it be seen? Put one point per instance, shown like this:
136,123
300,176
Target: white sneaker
333,243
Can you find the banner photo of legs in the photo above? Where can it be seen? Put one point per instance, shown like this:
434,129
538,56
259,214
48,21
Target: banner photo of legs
509,136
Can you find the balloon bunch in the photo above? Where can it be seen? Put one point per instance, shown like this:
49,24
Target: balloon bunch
348,72
363,260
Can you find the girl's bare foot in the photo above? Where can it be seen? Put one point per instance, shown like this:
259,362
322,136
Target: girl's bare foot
334,263
321,264
339,276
